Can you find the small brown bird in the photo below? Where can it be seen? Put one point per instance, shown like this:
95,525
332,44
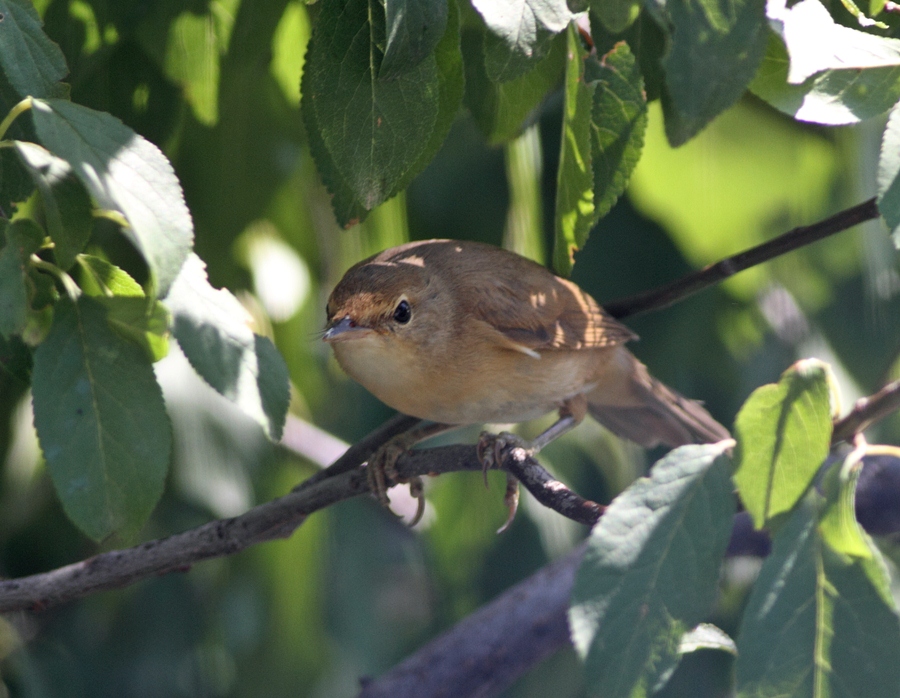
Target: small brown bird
464,333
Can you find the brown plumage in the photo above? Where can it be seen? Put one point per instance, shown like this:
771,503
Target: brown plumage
464,333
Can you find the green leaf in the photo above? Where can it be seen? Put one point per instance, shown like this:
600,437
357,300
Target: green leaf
211,328
15,359
414,28
616,15
575,214
67,206
137,318
816,624
618,123
838,525
520,33
889,174
451,85
824,72
651,570
501,110
101,421
706,637
104,279
194,52
124,173
373,131
22,238
783,435
33,64
348,209
716,47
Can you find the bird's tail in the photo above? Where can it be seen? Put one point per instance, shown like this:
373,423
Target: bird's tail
654,414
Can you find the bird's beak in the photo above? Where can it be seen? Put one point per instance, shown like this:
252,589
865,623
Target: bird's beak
345,328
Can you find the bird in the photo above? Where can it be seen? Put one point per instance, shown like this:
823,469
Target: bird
461,332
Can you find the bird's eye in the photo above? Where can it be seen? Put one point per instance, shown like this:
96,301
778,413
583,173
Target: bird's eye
402,313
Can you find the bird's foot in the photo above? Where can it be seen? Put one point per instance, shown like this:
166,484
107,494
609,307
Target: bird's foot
381,472
492,450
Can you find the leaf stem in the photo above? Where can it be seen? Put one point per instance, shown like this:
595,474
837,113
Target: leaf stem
72,289
111,215
22,106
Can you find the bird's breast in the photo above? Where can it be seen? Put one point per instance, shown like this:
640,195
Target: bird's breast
464,387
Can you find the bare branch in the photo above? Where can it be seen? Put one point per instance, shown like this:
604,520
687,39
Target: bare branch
866,412
670,294
486,651
275,519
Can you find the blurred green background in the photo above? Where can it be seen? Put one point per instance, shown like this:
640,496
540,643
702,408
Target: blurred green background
215,85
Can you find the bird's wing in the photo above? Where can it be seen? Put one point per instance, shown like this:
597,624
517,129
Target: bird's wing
558,316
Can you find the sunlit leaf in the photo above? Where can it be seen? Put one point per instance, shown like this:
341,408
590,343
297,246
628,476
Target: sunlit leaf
212,329
783,434
889,174
824,72
644,581
706,637
520,33
143,320
618,122
125,173
574,215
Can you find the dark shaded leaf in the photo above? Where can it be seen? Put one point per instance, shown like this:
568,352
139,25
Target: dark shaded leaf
67,206
101,421
22,238
370,132
716,47
33,64
818,623
414,28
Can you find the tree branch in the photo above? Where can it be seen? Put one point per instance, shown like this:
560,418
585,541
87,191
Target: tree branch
275,519
489,649
866,412
664,296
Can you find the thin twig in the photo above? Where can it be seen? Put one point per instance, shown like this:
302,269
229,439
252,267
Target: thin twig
866,412
663,297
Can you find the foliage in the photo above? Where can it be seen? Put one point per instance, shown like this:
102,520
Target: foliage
178,157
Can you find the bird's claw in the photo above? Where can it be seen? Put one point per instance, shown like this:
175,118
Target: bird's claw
381,473
511,500
492,450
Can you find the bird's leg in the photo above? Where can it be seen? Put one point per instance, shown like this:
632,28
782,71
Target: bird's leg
493,448
381,468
